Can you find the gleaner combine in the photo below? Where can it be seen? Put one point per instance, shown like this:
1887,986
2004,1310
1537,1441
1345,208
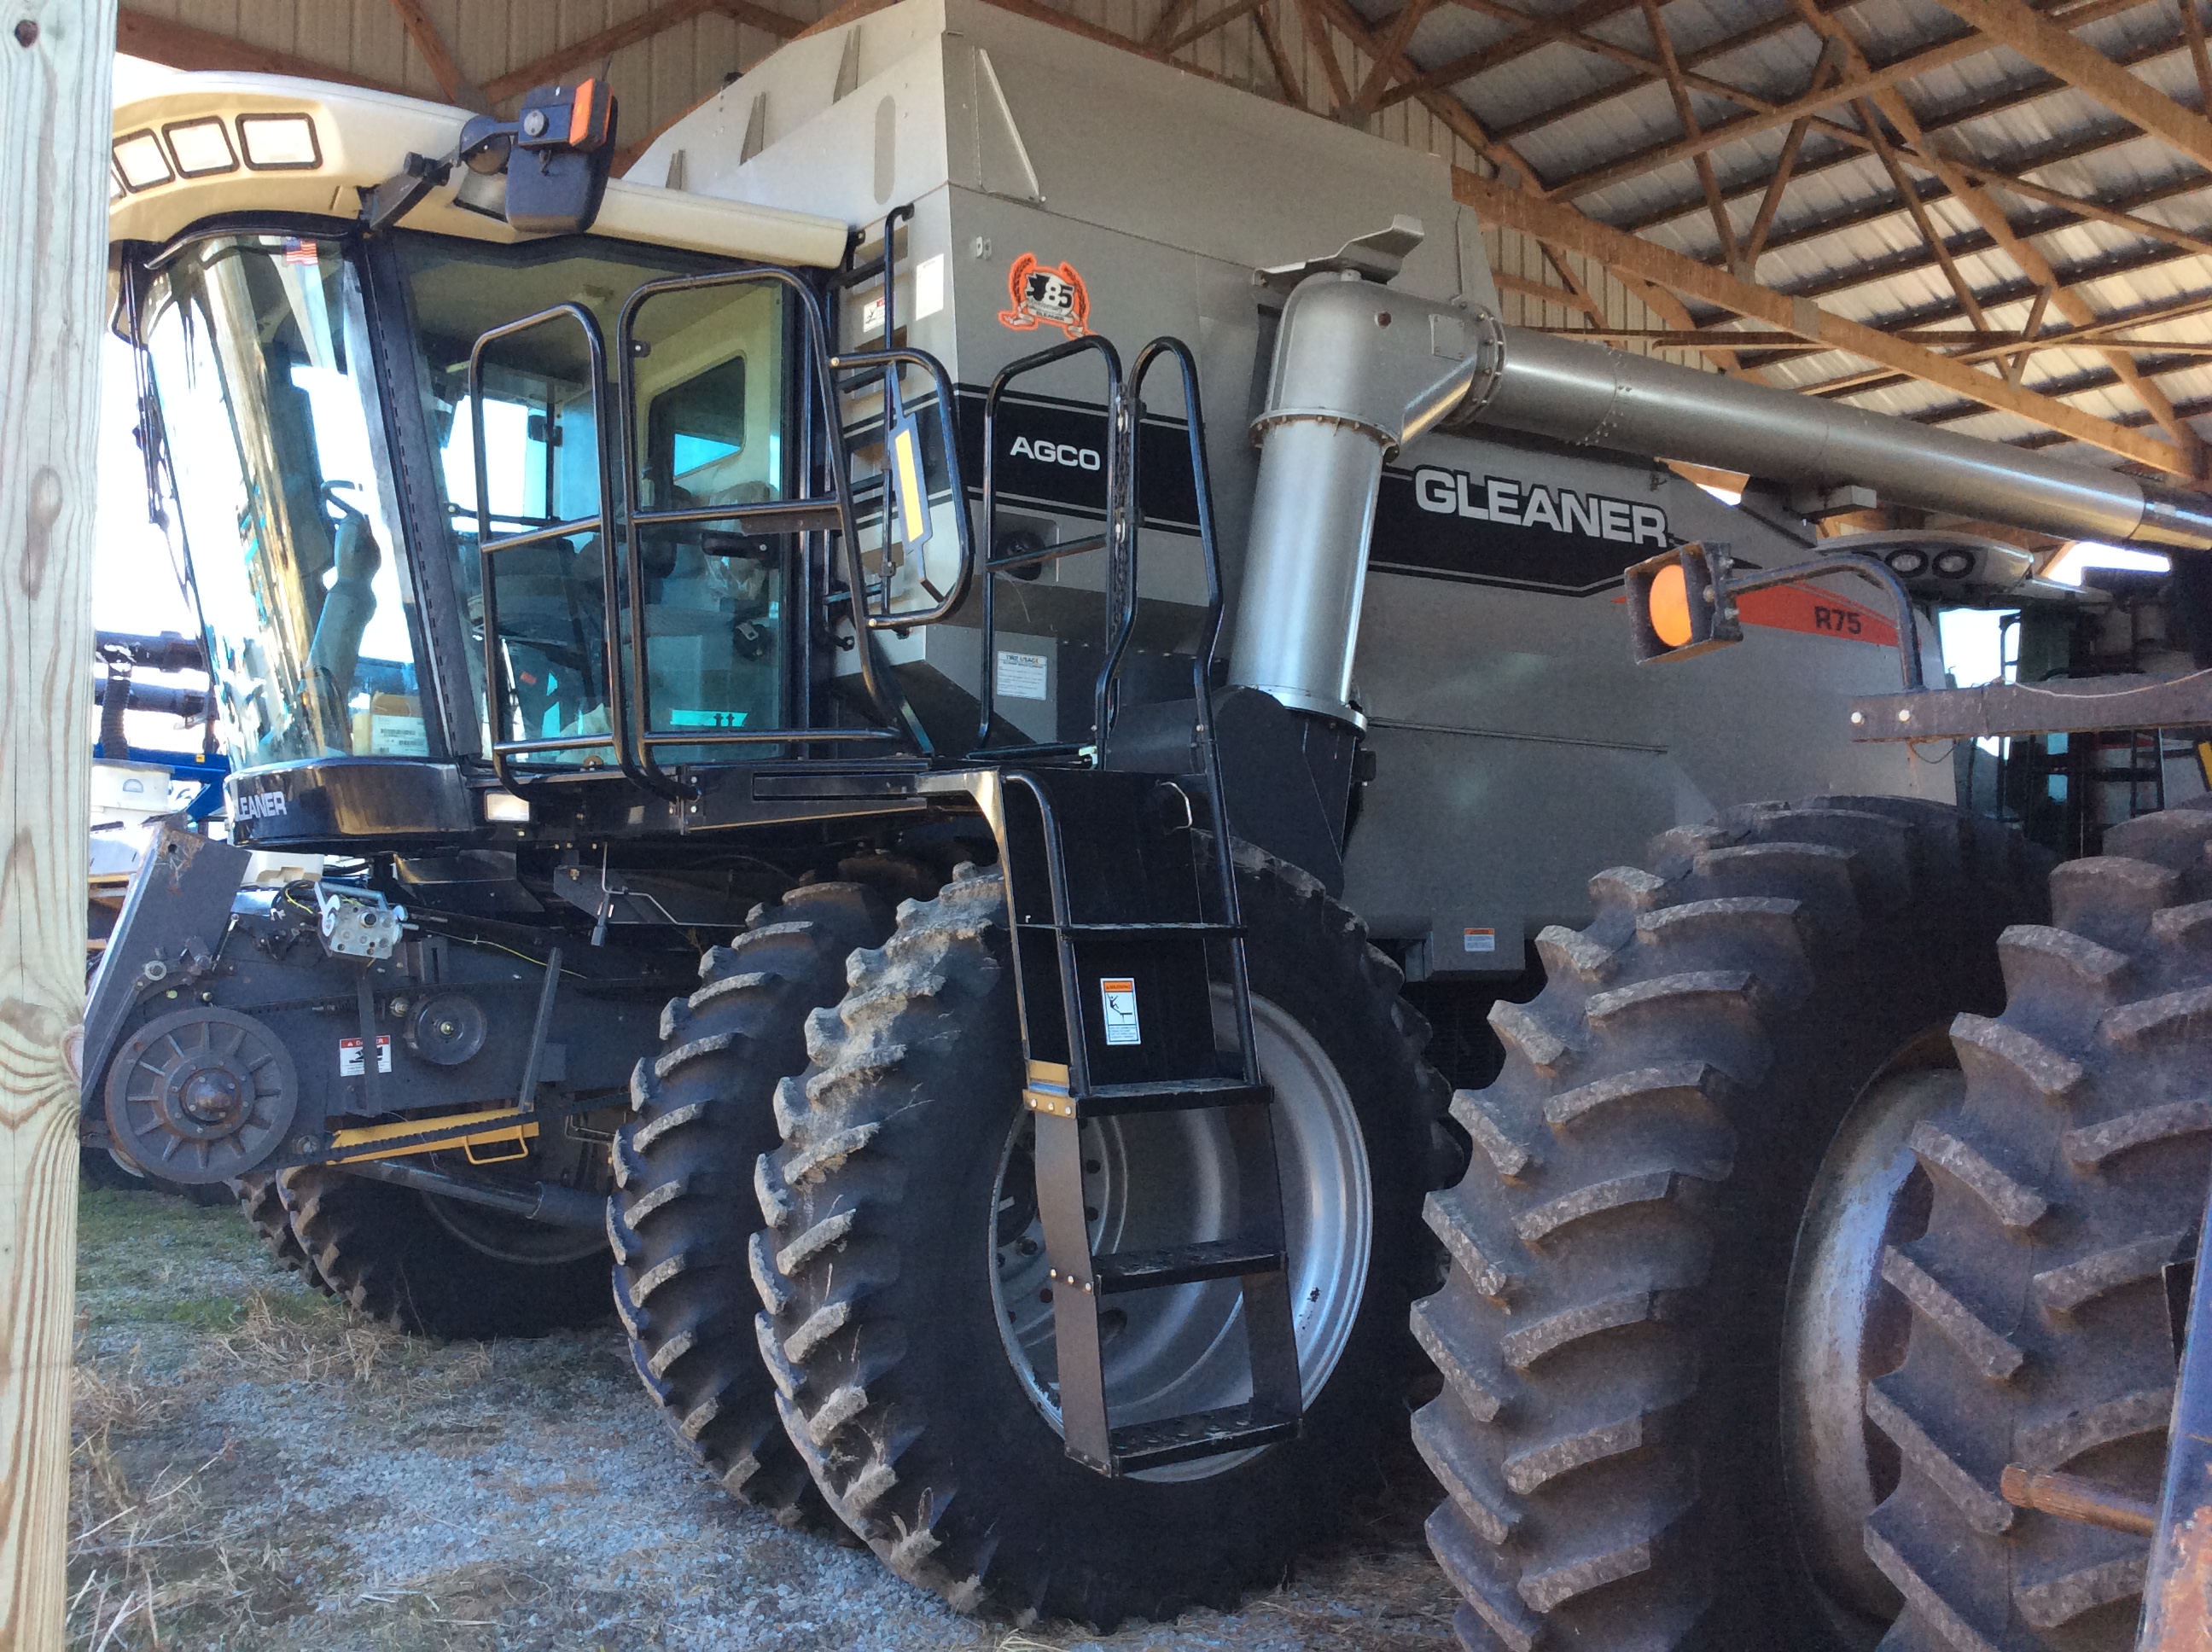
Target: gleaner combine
761,643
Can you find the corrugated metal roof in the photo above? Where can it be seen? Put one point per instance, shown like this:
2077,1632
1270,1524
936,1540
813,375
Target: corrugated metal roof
1569,107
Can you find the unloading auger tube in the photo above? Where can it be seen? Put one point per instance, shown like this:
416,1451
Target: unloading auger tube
1361,369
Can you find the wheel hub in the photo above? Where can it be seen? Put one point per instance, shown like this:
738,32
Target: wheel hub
1163,1179
201,1095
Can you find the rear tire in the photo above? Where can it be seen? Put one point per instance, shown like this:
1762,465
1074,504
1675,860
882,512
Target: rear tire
2041,1333
1609,1334
261,1201
685,1216
438,1269
881,1327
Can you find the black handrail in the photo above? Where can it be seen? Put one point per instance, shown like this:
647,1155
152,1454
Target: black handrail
1201,672
1117,526
833,514
495,681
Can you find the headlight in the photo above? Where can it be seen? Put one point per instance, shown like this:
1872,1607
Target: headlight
141,160
279,143
1954,564
1908,562
201,147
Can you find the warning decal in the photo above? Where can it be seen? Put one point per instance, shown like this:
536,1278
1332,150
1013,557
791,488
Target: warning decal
1479,940
350,1056
1120,996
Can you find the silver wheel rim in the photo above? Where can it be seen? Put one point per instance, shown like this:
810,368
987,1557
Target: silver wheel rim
1842,1327
1164,1179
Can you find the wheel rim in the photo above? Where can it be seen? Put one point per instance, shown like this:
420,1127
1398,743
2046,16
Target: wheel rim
1163,1179
1842,1327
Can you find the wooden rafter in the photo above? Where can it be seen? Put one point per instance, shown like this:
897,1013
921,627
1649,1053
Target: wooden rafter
655,20
1339,91
1540,33
179,46
1279,55
1387,61
1219,20
459,88
1846,90
1170,20
2014,97
2192,30
2015,366
1686,114
1762,225
1855,383
1549,220
1994,222
2053,48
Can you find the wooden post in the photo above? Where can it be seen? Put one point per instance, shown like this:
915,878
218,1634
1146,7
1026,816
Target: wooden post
56,56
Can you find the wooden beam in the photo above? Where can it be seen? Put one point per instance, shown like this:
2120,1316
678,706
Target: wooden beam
1339,91
761,17
1929,233
179,46
1279,55
460,89
1549,220
2149,315
2016,364
550,69
1212,24
1540,33
1171,16
55,64
2049,46
1385,65
1848,87
2015,95
1544,294
2192,30
1687,114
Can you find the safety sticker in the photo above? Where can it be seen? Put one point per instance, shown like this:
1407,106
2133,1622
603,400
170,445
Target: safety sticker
1040,295
1022,677
350,1056
1121,1001
1479,940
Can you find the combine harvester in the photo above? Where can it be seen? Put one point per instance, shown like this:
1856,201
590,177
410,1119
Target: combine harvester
936,814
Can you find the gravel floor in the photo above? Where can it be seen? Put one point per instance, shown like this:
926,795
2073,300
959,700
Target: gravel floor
257,1468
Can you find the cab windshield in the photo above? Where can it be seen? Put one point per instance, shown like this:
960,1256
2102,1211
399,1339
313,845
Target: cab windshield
276,440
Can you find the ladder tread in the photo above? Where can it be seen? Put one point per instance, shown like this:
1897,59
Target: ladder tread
1169,1095
1210,1258
1138,1446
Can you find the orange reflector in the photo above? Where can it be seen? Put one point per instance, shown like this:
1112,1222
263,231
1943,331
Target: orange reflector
1670,606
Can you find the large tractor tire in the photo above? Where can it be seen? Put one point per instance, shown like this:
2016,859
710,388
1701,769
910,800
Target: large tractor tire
436,1267
684,1220
1611,1334
2066,1184
261,1201
908,1321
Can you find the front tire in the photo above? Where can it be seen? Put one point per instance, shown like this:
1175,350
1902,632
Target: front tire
896,1298
683,1222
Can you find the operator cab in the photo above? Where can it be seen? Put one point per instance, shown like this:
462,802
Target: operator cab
342,414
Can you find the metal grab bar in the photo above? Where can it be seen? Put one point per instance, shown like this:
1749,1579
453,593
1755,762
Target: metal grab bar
1117,524
496,686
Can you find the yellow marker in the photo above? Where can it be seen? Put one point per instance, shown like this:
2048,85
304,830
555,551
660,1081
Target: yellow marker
1670,606
914,503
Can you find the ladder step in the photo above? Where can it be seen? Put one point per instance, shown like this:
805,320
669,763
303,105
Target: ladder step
1150,1270
1140,1446
1173,929
1170,1095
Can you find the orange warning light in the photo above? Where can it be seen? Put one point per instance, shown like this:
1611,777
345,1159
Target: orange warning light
1669,606
1679,606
